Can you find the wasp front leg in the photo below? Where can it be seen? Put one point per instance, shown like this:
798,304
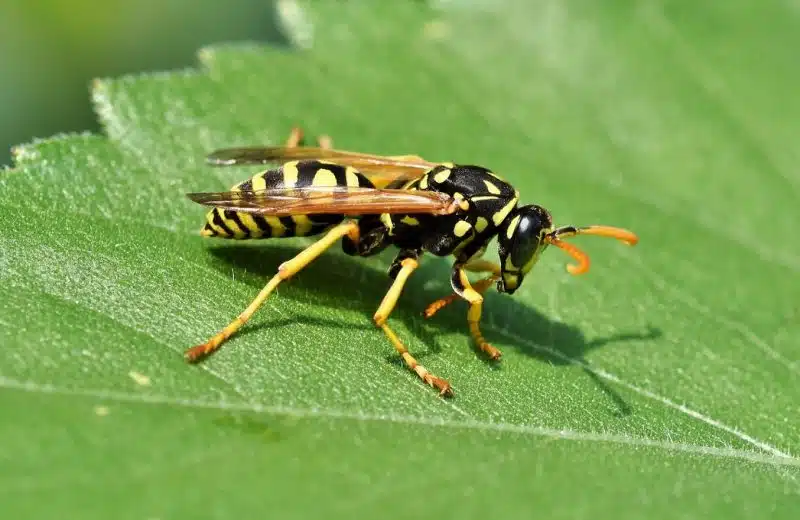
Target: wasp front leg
481,286
464,289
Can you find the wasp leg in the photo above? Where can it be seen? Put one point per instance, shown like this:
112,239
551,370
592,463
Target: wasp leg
462,287
476,266
285,271
296,138
408,265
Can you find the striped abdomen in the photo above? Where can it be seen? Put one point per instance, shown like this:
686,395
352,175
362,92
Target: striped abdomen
225,223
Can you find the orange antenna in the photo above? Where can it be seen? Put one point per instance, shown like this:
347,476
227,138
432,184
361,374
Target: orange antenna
623,235
573,251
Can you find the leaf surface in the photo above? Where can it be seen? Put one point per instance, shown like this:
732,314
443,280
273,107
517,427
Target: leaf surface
660,384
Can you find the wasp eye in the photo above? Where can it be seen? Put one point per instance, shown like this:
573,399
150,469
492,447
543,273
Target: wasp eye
526,241
521,242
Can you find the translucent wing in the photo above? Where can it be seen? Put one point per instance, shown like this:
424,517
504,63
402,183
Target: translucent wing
381,170
343,200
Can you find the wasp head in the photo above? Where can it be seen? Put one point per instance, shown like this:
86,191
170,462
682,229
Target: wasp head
521,241
526,233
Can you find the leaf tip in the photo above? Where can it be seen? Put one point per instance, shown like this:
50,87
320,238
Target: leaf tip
24,152
99,91
294,21
206,56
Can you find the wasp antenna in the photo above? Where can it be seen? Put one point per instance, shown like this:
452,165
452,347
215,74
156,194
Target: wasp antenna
582,258
623,235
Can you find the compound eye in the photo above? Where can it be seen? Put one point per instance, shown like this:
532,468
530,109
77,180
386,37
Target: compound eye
526,241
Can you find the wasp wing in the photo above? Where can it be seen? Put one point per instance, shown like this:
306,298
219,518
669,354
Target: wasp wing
381,170
342,200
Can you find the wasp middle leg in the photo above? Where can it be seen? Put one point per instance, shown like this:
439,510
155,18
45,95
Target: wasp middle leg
404,266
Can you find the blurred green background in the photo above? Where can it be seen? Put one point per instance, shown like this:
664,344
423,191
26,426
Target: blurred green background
51,49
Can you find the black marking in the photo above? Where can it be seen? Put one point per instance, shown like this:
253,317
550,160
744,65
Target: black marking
362,180
217,219
263,225
289,224
325,219
210,229
232,215
397,263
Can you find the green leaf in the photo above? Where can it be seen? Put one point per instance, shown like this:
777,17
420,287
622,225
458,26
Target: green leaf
662,384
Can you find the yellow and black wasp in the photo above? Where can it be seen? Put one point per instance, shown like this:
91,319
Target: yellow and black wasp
371,202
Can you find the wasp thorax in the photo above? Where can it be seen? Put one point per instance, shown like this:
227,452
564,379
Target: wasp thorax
521,241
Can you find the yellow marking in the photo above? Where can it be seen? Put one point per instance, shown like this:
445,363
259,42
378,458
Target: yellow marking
462,202
259,182
442,175
323,161
290,174
512,226
386,220
210,220
423,182
448,165
483,197
351,177
501,215
302,225
411,221
479,253
250,224
232,225
530,263
411,185
205,232
464,243
481,224
276,226
324,177
491,187
511,280
482,266
461,228
138,378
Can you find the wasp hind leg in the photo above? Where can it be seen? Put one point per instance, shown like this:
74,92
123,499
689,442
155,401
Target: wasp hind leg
295,139
402,269
285,271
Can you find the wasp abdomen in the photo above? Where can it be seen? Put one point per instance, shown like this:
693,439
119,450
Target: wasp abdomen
226,223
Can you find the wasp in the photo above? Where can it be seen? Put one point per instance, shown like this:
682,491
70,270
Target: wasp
370,202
